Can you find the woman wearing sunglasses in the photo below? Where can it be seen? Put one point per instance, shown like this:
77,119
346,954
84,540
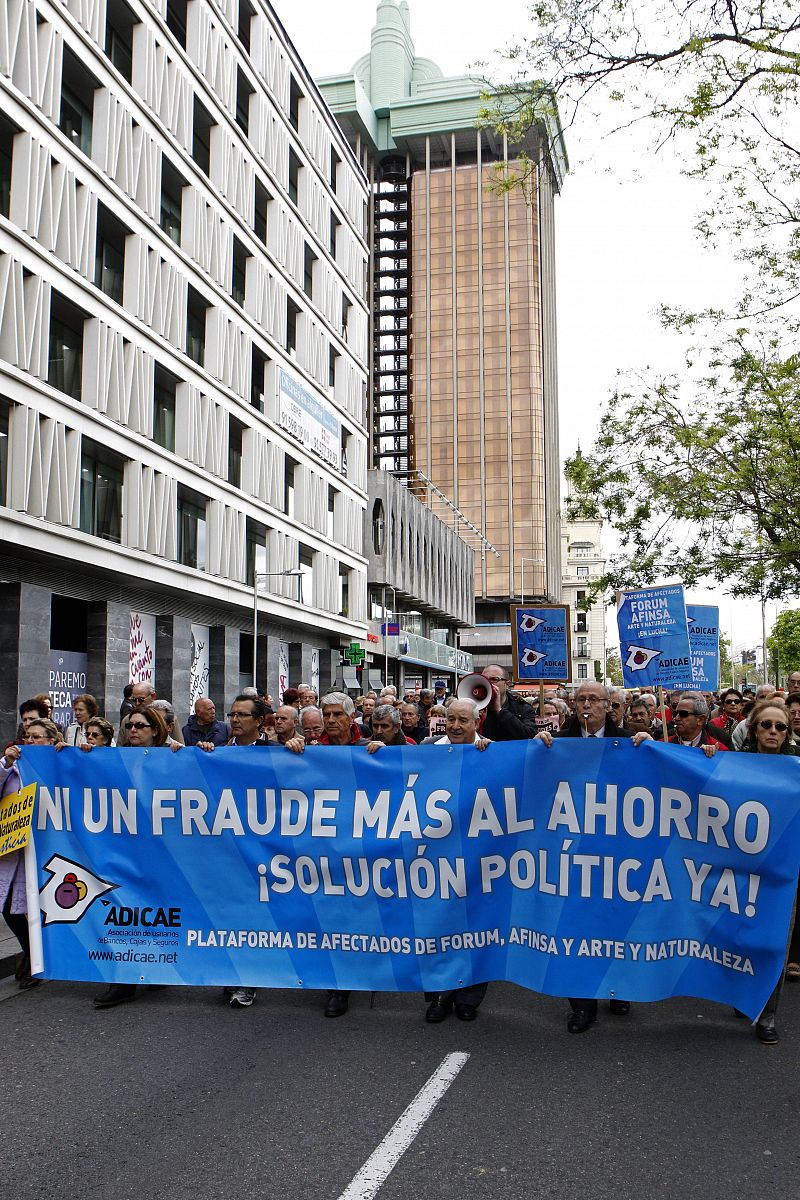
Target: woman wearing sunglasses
146,729
730,711
769,732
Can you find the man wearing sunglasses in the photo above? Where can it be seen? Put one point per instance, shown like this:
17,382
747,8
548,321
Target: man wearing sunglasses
690,718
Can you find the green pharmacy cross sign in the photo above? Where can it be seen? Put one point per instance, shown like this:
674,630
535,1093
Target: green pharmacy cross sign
354,654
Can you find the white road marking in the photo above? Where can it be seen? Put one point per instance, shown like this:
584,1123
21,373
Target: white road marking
384,1158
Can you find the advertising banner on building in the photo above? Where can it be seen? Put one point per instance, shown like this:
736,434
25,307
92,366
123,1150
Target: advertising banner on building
200,663
68,671
142,664
654,638
704,645
308,419
283,669
540,639
598,869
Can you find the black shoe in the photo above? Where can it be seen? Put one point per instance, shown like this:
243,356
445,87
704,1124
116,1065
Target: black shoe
580,1020
115,993
766,1031
466,1012
620,1008
23,970
438,1009
27,982
337,1004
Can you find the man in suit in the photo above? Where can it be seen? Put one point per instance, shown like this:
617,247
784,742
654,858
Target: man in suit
592,719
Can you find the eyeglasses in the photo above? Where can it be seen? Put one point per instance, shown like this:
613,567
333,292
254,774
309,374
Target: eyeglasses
138,725
141,699
231,715
591,700
615,704
777,725
684,713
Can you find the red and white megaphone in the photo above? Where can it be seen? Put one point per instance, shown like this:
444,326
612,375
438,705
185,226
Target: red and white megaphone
475,687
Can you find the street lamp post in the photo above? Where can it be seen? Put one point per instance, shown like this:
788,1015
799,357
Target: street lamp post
292,573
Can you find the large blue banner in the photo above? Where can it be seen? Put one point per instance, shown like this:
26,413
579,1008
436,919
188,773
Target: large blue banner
591,868
654,638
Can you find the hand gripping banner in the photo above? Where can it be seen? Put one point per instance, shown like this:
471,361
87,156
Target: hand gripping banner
592,868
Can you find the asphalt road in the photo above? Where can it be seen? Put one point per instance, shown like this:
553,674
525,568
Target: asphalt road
177,1096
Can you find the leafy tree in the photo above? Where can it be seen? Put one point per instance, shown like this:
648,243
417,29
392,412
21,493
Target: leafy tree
614,668
783,643
718,77
703,486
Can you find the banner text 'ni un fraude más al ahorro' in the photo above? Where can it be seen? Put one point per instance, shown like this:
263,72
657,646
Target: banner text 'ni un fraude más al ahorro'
590,868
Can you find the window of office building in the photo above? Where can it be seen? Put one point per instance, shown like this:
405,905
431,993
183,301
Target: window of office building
235,432
176,20
333,358
294,175
109,263
335,161
164,392
172,185
244,90
8,132
295,96
101,491
345,442
78,86
334,233
246,14
332,494
191,528
309,258
292,313
582,572
240,257
306,580
202,124
344,591
583,670
119,37
288,487
196,306
346,306
583,647
255,550
261,211
257,379
5,409
65,356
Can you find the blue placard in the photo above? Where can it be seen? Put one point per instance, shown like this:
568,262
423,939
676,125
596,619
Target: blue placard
654,638
703,621
541,642
589,868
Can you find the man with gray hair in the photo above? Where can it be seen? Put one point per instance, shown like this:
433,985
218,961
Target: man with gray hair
690,718
462,730
340,729
286,725
311,724
386,729
618,706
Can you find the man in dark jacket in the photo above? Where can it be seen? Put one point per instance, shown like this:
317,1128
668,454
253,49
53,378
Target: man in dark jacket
592,719
203,726
506,718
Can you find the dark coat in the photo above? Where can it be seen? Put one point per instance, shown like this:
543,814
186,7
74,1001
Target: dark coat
573,729
218,733
515,721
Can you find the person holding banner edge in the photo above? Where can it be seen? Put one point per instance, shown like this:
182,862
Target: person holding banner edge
506,718
592,719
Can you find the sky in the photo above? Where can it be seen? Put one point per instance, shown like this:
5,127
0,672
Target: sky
624,228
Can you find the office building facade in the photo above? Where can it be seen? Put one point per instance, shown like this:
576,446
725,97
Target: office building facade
183,355
463,366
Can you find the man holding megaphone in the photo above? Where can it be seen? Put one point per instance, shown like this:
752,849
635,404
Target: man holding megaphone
506,718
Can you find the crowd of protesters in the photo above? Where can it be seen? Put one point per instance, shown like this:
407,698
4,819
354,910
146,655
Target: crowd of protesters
764,721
